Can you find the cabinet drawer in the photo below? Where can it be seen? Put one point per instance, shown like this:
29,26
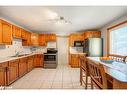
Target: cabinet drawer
4,64
13,62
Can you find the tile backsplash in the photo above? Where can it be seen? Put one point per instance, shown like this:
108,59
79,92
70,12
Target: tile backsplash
10,50
76,49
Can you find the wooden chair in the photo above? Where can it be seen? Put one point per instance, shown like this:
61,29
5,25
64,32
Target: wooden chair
84,73
97,75
118,58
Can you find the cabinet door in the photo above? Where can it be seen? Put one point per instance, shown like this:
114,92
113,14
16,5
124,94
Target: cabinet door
2,76
74,60
38,60
12,71
16,32
53,37
42,40
34,39
27,40
22,66
23,34
6,32
30,63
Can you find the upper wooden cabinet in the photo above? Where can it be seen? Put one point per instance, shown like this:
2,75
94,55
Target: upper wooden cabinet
42,40
75,37
5,32
50,37
17,33
34,39
24,34
27,40
92,34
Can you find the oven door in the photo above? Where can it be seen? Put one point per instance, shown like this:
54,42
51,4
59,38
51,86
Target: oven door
49,57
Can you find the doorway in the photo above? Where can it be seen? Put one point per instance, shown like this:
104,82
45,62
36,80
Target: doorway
62,45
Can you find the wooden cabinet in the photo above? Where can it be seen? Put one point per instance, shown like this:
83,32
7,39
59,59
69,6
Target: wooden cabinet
12,71
42,40
23,34
17,33
75,60
92,34
5,32
75,37
3,67
34,39
27,40
38,60
30,62
22,66
2,76
50,37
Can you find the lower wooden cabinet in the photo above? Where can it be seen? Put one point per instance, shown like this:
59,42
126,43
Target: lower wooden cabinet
3,67
75,60
38,60
22,66
30,62
12,71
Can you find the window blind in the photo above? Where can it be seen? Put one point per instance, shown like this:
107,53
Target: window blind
118,40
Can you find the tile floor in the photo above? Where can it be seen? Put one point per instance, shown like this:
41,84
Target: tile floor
64,77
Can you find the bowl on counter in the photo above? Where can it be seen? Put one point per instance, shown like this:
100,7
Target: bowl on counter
106,60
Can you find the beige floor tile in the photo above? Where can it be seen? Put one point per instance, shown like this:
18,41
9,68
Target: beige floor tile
64,77
46,85
56,85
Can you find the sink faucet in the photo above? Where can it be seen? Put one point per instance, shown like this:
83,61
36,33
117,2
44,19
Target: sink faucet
17,53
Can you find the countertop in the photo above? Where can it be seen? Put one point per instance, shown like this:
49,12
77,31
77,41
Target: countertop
9,58
76,53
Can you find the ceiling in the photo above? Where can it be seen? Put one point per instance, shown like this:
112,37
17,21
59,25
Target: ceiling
36,18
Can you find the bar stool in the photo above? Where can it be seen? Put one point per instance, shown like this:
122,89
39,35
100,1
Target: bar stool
84,73
97,75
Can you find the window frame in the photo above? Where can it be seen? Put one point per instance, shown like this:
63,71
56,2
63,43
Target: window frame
117,26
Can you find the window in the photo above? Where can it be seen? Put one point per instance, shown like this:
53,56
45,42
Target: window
118,40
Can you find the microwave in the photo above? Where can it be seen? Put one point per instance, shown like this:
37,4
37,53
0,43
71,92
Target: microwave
78,43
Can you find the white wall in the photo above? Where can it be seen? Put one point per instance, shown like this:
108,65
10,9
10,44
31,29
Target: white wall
104,31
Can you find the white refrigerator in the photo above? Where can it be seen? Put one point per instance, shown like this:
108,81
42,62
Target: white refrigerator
93,47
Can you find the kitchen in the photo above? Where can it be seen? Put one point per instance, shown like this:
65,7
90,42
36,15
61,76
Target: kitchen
43,49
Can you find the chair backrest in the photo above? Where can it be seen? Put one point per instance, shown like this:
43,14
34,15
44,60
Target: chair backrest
117,58
97,74
83,62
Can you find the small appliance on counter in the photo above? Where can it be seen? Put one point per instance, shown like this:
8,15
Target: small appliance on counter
50,58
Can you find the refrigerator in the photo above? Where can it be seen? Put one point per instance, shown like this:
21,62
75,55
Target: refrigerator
93,47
